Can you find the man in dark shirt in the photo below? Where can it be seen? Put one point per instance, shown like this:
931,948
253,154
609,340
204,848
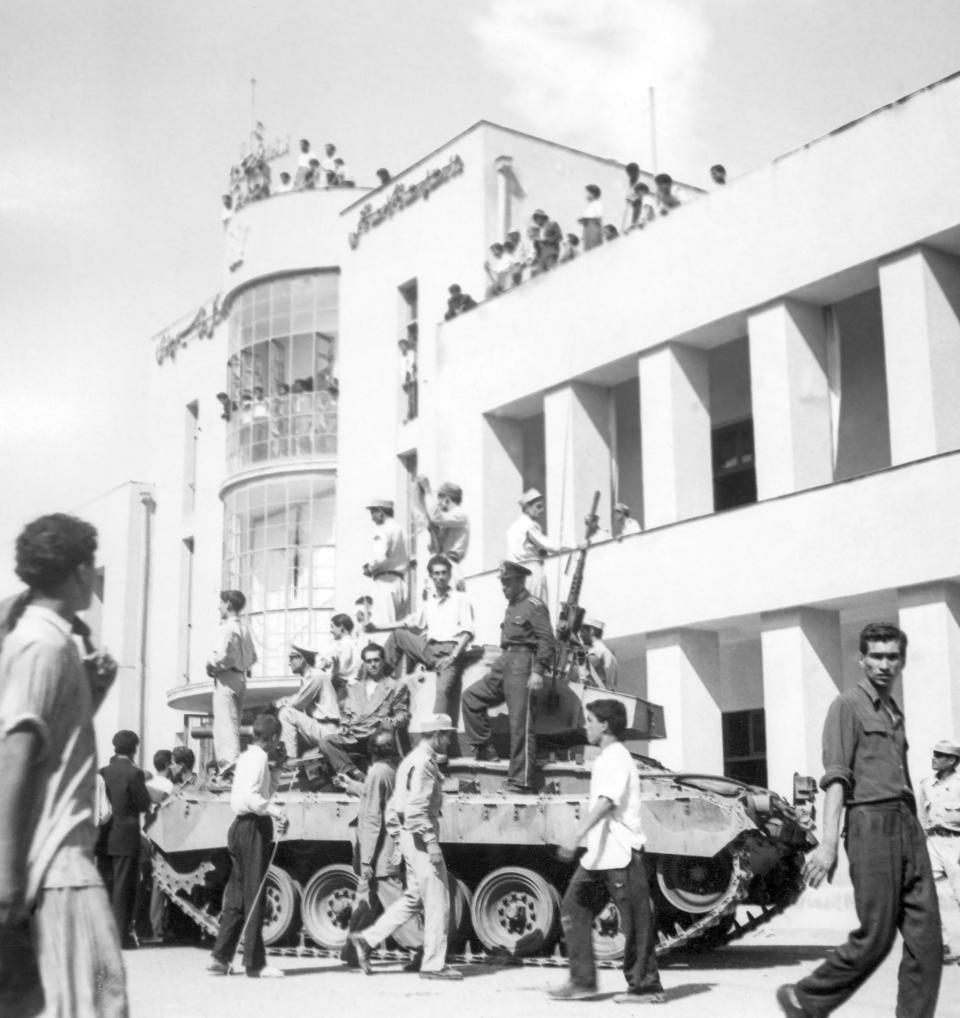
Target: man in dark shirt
515,678
865,770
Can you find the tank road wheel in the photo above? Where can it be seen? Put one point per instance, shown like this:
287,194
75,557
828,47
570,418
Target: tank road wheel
410,935
327,905
608,938
281,899
516,909
692,883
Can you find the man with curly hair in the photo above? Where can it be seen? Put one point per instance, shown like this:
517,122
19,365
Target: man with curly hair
48,696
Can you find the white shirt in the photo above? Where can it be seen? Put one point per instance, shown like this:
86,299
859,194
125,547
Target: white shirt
446,618
610,842
159,788
253,783
940,801
593,210
388,551
525,537
630,526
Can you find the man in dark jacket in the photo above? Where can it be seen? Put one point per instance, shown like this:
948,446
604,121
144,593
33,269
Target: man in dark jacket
128,795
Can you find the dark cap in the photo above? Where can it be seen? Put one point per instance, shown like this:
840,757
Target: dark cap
511,568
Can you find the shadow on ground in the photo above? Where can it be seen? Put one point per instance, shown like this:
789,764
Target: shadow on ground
756,956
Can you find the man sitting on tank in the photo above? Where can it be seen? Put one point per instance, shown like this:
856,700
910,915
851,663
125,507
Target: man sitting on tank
375,702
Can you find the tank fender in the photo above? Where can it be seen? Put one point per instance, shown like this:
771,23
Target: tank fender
694,826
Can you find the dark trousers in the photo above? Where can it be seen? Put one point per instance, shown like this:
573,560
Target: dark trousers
426,652
588,893
249,841
337,749
893,890
506,682
125,880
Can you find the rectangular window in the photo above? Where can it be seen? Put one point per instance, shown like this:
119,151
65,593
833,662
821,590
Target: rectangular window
745,746
186,607
408,345
734,470
191,435
408,466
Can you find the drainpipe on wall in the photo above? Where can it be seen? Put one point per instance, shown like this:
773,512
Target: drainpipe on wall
149,504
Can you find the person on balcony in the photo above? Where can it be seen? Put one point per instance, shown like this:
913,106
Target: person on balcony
591,219
549,236
528,545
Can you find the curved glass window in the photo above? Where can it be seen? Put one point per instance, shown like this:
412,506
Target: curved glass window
281,374
279,550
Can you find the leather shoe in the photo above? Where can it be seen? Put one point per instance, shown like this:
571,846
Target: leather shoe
413,965
570,991
363,953
267,972
445,973
218,968
651,997
510,789
790,1003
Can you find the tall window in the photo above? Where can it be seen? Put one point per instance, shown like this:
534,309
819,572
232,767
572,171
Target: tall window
282,387
191,435
408,343
745,746
186,605
734,470
279,550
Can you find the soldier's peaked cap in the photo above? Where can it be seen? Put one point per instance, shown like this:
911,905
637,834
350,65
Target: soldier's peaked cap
310,656
511,568
948,747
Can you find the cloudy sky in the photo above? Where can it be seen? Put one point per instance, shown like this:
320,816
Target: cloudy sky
120,120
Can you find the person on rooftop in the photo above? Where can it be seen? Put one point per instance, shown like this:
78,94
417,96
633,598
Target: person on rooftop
285,184
342,176
666,199
383,175
548,241
570,247
327,167
718,174
303,163
591,219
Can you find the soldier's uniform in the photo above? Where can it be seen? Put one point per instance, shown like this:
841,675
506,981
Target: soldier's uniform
528,644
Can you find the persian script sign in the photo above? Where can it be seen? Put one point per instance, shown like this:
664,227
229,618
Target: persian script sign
200,326
404,195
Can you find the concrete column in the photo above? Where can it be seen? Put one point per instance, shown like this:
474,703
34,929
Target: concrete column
930,616
683,675
920,296
675,434
790,392
802,674
576,424
497,501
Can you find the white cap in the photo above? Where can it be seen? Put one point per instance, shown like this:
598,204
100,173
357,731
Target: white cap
433,723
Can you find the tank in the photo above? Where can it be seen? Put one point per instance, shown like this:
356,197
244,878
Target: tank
713,844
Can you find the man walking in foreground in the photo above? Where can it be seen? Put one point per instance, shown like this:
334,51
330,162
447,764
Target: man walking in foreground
48,697
416,806
611,869
865,771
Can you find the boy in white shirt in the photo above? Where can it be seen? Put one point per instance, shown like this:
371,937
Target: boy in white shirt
612,865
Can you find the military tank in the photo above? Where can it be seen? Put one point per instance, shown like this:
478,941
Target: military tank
713,844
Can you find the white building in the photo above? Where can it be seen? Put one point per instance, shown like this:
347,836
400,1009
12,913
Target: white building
766,376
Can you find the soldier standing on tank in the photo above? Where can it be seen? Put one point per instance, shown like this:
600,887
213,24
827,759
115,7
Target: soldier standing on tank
612,868
415,808
515,678
865,770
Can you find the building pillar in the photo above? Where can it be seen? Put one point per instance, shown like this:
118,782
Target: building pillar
789,390
683,676
802,674
576,424
930,616
920,297
675,434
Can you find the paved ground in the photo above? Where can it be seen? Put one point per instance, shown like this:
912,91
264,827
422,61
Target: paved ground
735,982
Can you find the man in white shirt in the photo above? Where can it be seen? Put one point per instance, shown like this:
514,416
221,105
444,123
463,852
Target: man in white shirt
939,811
625,523
228,667
387,565
249,841
612,868
328,169
437,636
51,894
343,655
528,545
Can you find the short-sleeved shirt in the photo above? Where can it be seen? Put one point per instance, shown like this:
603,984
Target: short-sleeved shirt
44,688
446,618
611,841
418,796
940,801
865,747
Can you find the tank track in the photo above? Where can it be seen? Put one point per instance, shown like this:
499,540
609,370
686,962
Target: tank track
174,883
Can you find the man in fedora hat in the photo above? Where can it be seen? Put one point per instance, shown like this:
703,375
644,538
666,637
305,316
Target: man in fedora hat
939,809
414,816
515,678
528,545
387,565
313,711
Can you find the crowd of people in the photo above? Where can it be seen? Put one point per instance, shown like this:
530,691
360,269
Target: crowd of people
252,180
297,419
61,936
